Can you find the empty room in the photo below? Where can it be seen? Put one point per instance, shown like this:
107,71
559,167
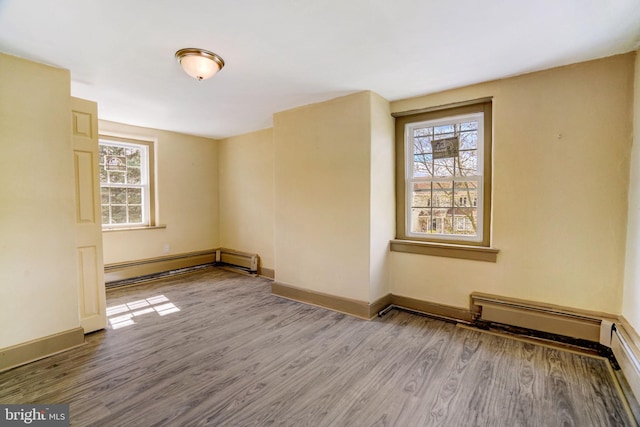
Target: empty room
336,213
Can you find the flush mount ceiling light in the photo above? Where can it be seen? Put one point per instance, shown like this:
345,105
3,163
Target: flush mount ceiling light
199,63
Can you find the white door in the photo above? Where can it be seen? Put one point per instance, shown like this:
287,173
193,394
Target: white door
91,290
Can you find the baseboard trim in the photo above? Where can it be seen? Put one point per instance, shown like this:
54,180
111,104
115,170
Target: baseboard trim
380,304
145,267
550,318
368,311
37,349
446,312
356,308
267,272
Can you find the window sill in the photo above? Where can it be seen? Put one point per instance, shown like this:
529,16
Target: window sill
476,253
146,227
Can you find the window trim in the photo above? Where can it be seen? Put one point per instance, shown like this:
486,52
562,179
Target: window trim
151,194
402,120
476,253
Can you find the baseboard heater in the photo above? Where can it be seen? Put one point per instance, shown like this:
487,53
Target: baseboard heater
241,261
546,318
627,355
131,271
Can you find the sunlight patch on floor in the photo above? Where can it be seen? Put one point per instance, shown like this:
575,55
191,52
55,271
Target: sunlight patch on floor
123,314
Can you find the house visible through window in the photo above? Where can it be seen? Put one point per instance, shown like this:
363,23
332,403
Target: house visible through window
444,180
125,185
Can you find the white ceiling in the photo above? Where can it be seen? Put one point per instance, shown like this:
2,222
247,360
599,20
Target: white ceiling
281,54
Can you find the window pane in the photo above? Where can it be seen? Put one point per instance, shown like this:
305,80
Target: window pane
468,140
118,196
443,167
118,214
466,194
114,150
105,214
468,126
441,221
421,132
103,174
420,220
422,165
135,196
133,157
422,145
133,175
465,220
467,163
135,214
442,194
444,131
116,177
421,194
104,196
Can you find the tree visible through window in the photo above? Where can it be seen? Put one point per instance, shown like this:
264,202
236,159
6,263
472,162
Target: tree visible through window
124,183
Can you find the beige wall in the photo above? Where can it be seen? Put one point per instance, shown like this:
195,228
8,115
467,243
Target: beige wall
245,178
38,294
186,202
382,198
631,298
322,181
562,140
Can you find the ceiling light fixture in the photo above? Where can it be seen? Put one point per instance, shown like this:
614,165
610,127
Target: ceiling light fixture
199,63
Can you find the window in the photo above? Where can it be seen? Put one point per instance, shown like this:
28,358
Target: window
126,187
444,175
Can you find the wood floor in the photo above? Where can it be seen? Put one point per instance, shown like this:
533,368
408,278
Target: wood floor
216,348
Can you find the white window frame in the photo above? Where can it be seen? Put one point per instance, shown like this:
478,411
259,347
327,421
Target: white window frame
410,179
145,185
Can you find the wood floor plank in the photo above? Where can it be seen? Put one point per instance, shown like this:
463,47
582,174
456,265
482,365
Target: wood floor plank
216,348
